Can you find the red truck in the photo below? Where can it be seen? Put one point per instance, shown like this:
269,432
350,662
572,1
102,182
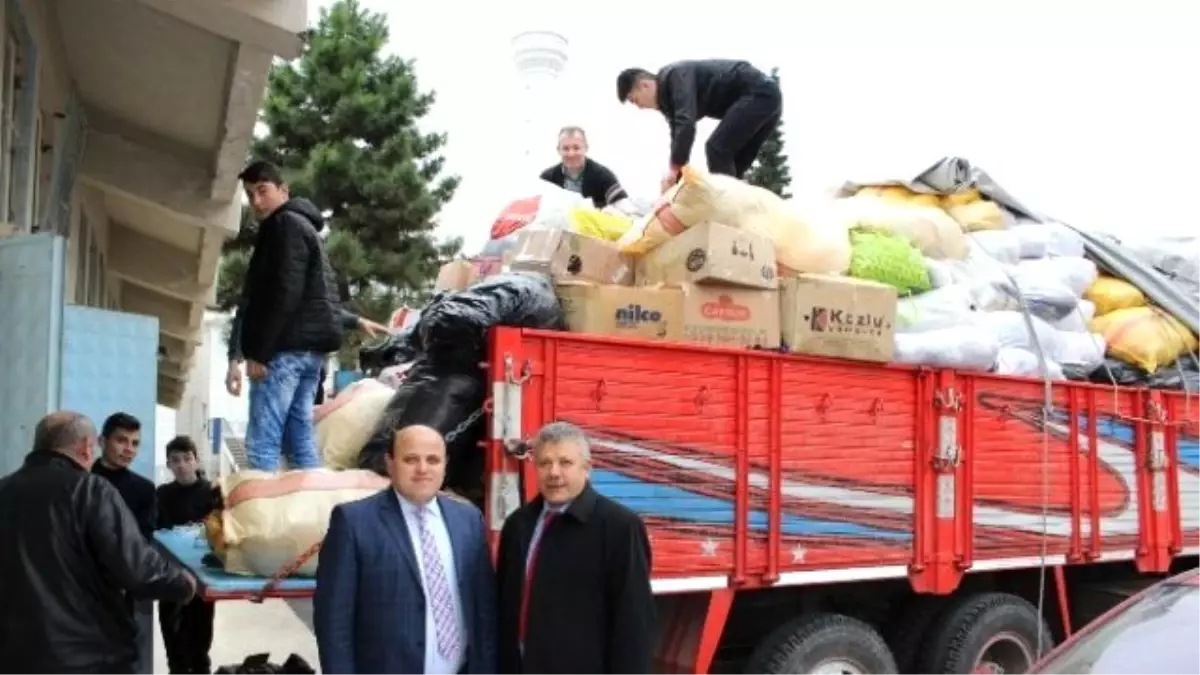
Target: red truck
813,515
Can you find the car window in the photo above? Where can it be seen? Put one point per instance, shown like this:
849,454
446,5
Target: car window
1155,634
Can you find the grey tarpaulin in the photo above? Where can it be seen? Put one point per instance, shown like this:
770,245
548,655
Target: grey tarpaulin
1121,262
948,176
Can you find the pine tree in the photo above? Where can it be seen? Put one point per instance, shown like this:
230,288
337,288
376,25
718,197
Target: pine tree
342,123
770,169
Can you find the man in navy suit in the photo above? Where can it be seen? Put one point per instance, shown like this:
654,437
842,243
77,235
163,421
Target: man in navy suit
404,580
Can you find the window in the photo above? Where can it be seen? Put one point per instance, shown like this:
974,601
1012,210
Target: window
11,69
38,164
96,285
81,258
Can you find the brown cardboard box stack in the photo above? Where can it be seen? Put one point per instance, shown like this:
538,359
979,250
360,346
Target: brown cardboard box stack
711,284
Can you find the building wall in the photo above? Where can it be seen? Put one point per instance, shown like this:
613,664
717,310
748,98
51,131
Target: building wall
29,35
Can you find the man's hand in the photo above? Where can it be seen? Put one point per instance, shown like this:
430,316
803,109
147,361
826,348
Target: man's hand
256,371
233,378
670,179
371,328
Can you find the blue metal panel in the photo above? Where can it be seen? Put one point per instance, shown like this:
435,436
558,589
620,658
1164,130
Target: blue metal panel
110,364
31,302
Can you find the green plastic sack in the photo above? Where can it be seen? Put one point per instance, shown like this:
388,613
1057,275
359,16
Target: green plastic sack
886,257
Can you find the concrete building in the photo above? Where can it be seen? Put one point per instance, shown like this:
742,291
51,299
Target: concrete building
146,109
123,125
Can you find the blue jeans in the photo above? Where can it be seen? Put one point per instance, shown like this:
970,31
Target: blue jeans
282,405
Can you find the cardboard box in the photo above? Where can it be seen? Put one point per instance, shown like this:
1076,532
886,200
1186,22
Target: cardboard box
730,317
567,256
711,253
623,311
838,316
456,275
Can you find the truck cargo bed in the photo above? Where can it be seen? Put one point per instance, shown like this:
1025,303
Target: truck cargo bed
758,468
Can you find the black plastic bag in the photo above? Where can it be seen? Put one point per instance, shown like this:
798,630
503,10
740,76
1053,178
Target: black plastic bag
261,663
1115,371
453,328
395,349
445,403
1181,375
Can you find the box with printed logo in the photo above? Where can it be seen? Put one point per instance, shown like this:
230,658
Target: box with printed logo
730,317
711,253
838,316
623,311
567,256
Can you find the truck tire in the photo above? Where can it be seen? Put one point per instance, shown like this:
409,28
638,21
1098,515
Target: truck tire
822,643
905,632
985,633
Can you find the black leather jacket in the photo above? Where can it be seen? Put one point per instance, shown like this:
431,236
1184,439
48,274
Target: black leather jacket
71,560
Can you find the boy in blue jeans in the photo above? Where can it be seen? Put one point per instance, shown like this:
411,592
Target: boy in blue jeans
289,321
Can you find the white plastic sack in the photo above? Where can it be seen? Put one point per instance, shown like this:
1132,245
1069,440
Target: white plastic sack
1085,350
1011,330
1055,239
346,426
945,307
1033,241
1016,361
963,347
1078,320
1003,246
947,272
1052,287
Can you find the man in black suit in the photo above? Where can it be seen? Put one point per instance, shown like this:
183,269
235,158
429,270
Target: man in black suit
574,572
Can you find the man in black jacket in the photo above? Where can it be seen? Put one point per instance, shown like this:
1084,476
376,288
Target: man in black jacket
748,103
578,173
72,557
290,321
573,571
187,628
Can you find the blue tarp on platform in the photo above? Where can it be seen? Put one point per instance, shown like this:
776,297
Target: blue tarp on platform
189,547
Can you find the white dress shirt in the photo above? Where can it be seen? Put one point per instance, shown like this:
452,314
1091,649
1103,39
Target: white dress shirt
434,661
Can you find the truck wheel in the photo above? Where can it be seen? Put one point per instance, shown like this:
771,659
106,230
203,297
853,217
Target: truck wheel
906,630
986,633
822,643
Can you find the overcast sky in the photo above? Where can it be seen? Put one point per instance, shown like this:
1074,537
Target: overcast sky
1078,111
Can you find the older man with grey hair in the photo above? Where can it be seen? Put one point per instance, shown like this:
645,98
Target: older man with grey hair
574,572
73,557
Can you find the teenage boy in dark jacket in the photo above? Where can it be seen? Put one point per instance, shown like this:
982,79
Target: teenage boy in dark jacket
748,103
187,628
290,321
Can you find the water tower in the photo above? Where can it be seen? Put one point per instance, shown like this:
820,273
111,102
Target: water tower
540,57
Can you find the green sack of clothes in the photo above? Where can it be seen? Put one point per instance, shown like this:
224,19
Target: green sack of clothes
888,258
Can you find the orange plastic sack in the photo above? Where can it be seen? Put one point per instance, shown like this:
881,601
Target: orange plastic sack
1146,337
1110,294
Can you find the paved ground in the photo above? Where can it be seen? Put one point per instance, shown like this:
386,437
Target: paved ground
242,628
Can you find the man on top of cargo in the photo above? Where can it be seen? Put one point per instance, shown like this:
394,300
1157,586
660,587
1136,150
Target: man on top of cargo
748,103
289,320
578,173
574,572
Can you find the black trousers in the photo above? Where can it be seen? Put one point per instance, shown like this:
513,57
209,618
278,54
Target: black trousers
187,632
746,125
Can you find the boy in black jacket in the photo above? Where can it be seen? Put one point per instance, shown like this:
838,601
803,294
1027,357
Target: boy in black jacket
187,629
290,321
748,103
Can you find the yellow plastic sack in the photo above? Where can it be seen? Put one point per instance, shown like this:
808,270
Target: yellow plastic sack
807,238
346,423
1110,294
977,216
598,224
898,194
960,198
930,229
270,519
1146,337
